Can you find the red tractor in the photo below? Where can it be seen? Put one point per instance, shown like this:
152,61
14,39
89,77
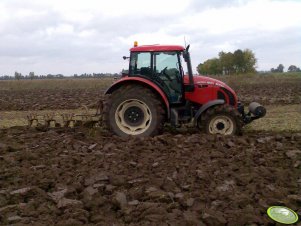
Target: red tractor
155,91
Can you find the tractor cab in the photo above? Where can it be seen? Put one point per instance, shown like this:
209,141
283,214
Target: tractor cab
162,65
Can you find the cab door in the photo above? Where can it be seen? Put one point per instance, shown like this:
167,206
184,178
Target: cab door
162,68
168,70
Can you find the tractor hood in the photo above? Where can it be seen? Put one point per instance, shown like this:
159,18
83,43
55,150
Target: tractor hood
203,81
208,89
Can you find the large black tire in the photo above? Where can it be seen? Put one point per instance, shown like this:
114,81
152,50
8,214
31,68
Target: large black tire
221,119
133,110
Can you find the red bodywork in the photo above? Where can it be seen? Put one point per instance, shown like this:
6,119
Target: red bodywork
157,48
206,89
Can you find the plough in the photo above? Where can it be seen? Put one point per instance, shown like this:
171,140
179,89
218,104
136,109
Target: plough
54,119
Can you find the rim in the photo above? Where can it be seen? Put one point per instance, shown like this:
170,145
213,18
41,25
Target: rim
221,124
133,117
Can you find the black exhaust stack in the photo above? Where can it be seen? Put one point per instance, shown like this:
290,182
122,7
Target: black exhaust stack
186,55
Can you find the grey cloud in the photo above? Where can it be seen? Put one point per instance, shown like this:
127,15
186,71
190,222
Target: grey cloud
271,47
120,26
200,5
28,39
26,46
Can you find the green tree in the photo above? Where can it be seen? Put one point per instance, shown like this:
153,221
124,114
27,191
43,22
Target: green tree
17,75
31,75
200,68
211,66
280,68
215,66
249,61
293,68
227,61
238,61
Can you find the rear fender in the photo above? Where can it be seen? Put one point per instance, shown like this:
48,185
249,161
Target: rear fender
143,82
206,106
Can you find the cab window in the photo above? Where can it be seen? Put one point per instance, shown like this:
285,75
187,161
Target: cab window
140,64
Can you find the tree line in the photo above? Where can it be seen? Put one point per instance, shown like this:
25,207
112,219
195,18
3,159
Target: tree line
280,69
32,75
238,62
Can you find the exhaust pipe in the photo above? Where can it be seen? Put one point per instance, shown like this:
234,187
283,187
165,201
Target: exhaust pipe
257,110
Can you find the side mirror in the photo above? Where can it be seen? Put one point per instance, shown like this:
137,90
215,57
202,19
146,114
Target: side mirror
124,57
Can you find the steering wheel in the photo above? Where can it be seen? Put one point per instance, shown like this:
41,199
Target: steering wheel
165,74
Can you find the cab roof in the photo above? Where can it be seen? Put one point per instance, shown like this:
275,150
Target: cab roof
157,48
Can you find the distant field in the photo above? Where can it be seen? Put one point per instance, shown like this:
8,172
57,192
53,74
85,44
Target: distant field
55,84
51,94
102,83
254,79
268,89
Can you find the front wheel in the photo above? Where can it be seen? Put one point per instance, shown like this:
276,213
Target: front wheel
222,119
133,110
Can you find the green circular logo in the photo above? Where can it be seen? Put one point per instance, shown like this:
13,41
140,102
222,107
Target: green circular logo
282,214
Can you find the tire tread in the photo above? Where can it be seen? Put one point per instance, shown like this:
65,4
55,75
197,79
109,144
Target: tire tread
138,90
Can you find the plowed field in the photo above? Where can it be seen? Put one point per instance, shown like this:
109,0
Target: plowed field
87,176
74,177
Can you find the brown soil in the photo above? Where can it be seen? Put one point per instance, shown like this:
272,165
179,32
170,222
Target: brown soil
267,90
41,99
268,93
87,176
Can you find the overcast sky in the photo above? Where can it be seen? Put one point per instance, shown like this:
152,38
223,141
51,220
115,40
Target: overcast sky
86,36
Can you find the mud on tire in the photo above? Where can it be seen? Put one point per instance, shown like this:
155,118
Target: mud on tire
133,110
221,119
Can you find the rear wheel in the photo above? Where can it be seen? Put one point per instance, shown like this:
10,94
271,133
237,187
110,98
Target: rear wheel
133,110
221,119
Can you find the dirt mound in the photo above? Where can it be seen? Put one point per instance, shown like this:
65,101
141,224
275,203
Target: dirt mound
74,177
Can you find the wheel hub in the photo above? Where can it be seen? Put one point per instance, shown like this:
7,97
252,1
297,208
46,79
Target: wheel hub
221,124
133,116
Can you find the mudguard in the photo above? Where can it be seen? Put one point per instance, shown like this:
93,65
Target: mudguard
206,106
140,81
